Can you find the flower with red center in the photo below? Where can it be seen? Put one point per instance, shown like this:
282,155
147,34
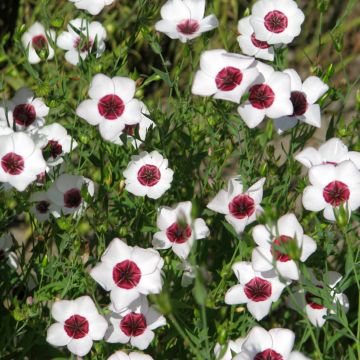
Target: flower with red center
6,243
78,325
20,160
65,194
303,98
311,299
239,207
333,186
81,39
134,325
250,45
224,75
94,7
257,290
148,175
128,272
178,230
23,111
275,344
42,207
269,96
276,22
333,151
184,19
136,133
36,39
55,142
120,355
111,105
275,242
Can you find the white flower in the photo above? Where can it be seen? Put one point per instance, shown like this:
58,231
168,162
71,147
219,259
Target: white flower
250,45
20,160
271,252
148,174
142,127
296,355
25,110
257,290
55,142
127,272
261,344
78,324
269,96
303,97
92,6
178,230
135,325
79,46
37,39
334,151
111,105
65,193
233,346
332,186
276,21
312,304
239,207
120,355
6,243
42,207
224,75
184,19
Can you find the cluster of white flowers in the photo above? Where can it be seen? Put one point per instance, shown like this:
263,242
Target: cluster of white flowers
29,149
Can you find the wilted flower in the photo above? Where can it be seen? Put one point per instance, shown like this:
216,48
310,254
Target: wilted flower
36,38
148,175
81,39
178,230
78,325
127,272
224,75
280,246
239,207
6,243
257,290
184,19
303,97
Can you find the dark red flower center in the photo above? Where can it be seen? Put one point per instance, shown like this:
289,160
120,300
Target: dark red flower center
126,274
188,27
39,42
178,233
53,149
258,289
242,206
111,107
130,129
299,102
24,114
72,198
42,206
268,354
83,44
336,193
259,44
12,163
133,324
276,21
228,78
148,175
261,96
309,297
76,326
280,254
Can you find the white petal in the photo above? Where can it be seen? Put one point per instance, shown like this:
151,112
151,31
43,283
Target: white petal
308,247
57,336
203,84
309,157
283,341
146,259
88,110
236,295
261,259
313,199
316,315
142,341
314,88
259,309
251,116
101,85
81,346
288,269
